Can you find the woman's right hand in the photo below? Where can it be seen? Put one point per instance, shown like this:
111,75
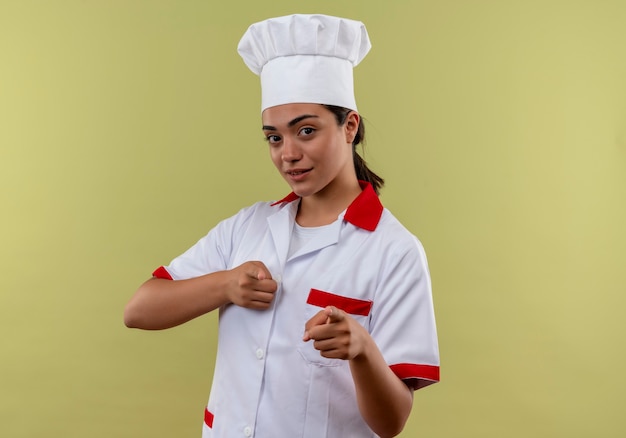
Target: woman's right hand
160,303
251,285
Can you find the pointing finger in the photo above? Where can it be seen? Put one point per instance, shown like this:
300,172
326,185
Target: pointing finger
320,318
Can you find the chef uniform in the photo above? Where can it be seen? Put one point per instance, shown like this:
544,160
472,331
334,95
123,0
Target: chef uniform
268,383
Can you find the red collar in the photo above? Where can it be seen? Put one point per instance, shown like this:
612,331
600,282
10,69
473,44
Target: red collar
364,212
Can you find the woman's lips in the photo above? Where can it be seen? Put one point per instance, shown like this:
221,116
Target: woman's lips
297,174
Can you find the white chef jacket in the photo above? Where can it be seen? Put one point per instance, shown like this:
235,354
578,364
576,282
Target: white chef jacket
268,383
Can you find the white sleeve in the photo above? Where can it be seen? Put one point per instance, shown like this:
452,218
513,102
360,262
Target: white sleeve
403,318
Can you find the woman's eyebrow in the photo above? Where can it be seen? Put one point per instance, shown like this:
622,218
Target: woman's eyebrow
291,123
300,118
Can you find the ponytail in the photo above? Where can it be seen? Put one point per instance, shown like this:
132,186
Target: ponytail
363,172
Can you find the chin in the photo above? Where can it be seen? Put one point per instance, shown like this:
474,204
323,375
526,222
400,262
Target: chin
302,192
305,188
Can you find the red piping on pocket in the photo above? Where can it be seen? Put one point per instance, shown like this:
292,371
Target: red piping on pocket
349,305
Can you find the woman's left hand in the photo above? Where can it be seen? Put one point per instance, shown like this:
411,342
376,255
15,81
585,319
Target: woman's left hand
336,334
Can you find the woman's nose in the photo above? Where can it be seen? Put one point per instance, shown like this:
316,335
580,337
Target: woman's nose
291,152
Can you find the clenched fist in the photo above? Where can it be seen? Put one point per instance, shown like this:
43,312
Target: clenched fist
251,285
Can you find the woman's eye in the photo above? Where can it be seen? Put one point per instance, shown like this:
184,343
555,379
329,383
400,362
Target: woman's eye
307,131
272,139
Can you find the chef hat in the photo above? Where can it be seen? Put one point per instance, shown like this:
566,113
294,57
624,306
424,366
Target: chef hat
305,58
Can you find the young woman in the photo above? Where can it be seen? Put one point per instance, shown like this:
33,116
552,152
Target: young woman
326,318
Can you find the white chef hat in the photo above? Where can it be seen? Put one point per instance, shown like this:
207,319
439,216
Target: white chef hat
305,58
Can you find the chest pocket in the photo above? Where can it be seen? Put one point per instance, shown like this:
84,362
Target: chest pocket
317,300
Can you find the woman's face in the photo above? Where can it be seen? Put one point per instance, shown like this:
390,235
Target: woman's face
309,149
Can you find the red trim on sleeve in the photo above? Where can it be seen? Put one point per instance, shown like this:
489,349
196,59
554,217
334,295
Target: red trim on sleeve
350,305
161,272
416,376
208,418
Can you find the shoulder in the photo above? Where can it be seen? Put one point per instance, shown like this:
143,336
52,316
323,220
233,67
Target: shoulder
397,243
258,208
393,230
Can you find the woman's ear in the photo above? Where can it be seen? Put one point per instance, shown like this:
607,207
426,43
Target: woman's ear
351,126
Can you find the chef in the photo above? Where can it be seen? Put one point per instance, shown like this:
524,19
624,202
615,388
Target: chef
326,320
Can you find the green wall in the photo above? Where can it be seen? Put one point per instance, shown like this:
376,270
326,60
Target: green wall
129,128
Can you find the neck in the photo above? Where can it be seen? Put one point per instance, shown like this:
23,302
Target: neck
324,207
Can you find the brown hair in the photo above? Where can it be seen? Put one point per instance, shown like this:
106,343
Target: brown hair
363,173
